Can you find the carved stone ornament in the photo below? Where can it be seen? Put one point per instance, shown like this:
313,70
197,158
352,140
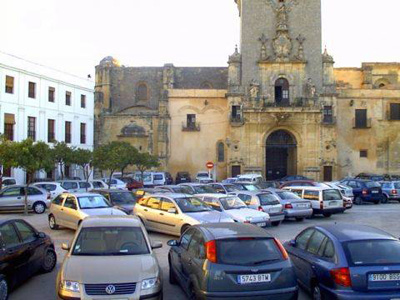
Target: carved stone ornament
300,52
283,46
264,48
310,90
169,76
236,57
254,90
281,117
276,4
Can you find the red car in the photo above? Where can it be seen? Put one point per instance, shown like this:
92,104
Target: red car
132,184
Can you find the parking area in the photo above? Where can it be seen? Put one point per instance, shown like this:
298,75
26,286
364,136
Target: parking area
43,286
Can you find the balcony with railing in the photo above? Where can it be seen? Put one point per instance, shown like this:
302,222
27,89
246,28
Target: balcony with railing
190,126
329,120
237,120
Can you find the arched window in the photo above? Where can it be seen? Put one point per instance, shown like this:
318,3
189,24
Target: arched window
206,86
282,91
221,152
142,92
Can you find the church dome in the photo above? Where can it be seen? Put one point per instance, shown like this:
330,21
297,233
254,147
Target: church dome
109,61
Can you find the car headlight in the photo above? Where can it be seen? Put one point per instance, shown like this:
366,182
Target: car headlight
150,283
71,286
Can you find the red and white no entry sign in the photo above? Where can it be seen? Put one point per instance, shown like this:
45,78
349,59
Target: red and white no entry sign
210,165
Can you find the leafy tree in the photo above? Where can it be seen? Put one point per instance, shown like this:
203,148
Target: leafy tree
144,162
62,155
32,157
84,159
128,156
7,157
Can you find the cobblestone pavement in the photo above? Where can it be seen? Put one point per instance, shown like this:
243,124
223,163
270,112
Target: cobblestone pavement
43,286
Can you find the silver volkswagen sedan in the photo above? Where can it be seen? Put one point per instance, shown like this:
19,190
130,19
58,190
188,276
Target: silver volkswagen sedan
174,213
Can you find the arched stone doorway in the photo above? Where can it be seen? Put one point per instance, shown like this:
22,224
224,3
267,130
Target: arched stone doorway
281,155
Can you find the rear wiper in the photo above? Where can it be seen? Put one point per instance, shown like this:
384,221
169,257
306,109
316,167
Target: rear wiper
264,261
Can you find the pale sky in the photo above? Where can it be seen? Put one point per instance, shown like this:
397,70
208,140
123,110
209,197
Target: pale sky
74,35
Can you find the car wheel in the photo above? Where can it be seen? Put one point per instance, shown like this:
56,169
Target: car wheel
39,208
385,199
49,261
3,288
299,219
184,228
52,223
316,293
377,202
276,224
358,201
327,215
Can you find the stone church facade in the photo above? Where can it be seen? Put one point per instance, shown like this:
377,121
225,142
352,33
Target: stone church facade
279,107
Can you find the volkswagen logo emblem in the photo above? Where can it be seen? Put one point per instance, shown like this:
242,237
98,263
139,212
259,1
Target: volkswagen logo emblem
110,289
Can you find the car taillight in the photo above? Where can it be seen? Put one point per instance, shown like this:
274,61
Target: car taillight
321,205
260,208
288,206
48,196
341,277
365,192
394,192
211,251
282,249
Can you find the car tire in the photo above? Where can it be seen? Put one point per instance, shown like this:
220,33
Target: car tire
184,228
52,223
316,293
49,261
39,207
377,202
299,219
3,288
276,224
327,215
358,201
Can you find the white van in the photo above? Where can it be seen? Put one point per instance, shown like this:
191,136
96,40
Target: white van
324,200
250,178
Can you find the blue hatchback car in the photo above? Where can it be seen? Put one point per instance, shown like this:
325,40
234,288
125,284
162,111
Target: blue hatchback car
365,190
347,261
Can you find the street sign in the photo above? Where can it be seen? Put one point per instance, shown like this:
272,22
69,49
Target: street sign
210,165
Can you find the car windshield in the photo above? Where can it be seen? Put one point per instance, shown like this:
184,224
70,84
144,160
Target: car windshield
107,241
179,190
232,203
268,199
373,252
91,202
191,205
257,251
187,190
251,187
204,189
126,179
202,175
372,184
288,196
230,188
122,198
332,195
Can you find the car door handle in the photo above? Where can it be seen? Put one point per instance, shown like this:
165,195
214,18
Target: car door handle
145,210
161,214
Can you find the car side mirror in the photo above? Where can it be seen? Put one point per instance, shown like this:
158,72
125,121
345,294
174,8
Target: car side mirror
293,243
156,245
173,243
41,235
172,211
65,247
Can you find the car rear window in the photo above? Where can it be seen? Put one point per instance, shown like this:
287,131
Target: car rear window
268,199
372,184
397,185
257,251
373,252
329,195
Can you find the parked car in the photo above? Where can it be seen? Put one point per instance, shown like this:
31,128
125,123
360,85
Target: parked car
294,177
182,177
373,177
54,188
174,213
230,180
324,200
347,261
110,258
177,189
224,188
131,183
299,183
347,193
246,186
236,209
231,261
24,252
251,178
115,183
146,178
140,193
68,210
270,184
197,188
204,177
76,186
266,202
8,181
365,191
391,191
293,205
12,199
121,199
98,184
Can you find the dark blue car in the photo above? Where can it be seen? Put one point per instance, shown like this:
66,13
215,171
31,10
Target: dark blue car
365,190
347,261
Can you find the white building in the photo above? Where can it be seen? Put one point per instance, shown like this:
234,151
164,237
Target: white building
46,105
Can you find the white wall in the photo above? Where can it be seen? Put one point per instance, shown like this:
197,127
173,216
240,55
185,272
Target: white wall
22,107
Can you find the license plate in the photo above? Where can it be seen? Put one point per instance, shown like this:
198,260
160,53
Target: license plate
274,210
385,277
375,192
333,203
302,205
257,278
261,224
